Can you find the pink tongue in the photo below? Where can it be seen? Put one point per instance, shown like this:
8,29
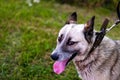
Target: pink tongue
59,66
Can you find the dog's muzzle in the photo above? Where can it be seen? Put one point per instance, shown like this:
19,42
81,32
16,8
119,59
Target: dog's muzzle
71,57
59,66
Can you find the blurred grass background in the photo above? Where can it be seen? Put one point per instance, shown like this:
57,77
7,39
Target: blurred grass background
28,35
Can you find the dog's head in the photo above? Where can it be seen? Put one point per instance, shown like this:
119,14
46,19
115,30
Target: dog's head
73,39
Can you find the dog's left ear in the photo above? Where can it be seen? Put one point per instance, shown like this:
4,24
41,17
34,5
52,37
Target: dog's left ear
72,18
89,29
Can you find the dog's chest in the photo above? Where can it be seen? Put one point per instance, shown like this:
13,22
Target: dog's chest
89,73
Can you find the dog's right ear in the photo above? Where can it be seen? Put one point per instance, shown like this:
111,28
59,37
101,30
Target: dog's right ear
72,18
89,29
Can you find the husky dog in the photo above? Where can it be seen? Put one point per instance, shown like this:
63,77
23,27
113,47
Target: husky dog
74,43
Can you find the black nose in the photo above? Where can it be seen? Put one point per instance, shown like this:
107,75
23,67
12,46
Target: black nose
54,57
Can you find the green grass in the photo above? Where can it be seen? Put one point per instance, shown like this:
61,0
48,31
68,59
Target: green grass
28,36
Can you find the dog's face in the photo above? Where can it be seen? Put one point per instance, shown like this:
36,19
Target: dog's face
70,40
73,39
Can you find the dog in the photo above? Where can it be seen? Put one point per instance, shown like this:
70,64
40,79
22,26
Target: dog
74,43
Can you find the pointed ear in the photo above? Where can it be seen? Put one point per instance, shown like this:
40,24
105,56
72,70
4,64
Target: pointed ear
72,18
89,29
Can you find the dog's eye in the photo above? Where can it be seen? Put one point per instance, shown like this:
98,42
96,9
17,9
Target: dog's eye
60,38
71,43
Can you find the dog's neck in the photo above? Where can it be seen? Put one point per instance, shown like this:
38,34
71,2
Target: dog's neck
94,59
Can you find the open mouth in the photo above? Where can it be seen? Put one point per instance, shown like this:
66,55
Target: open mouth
59,66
